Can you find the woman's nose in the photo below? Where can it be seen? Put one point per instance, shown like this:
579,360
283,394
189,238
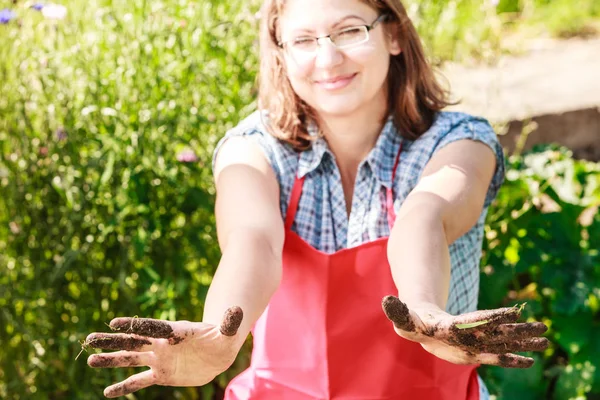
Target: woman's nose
327,54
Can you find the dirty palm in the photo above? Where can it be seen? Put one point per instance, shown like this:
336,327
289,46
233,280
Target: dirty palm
349,213
487,336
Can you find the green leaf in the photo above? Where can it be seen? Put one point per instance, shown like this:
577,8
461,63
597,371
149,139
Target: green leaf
523,384
472,324
573,332
152,273
593,355
108,171
575,381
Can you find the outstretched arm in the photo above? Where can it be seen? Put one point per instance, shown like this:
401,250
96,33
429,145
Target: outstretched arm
445,204
250,230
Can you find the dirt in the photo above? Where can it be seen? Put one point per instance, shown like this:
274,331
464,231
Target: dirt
143,326
231,321
522,331
534,344
133,330
176,340
551,77
551,91
512,361
116,341
464,339
122,389
492,331
102,362
398,313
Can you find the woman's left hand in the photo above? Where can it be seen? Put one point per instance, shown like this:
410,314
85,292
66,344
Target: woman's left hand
480,337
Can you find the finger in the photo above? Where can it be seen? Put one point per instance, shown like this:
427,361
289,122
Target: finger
131,384
494,317
231,321
118,341
142,326
518,331
535,344
398,313
505,360
120,359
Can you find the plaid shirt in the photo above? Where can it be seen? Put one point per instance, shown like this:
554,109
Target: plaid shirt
322,220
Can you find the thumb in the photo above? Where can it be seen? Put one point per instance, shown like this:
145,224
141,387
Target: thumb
398,313
231,321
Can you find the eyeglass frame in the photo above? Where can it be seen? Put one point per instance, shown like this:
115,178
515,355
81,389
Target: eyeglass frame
381,18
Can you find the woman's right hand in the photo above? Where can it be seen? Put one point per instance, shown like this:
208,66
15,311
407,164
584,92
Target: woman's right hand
179,353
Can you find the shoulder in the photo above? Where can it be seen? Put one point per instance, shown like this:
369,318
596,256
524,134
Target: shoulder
254,124
281,157
450,126
254,129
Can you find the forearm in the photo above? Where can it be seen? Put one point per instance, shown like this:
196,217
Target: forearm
419,257
248,274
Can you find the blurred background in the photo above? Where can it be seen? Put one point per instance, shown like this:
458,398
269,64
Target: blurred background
110,110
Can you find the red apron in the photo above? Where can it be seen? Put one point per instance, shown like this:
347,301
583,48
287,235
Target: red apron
324,334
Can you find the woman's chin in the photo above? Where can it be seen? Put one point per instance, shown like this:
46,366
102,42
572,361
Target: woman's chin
337,108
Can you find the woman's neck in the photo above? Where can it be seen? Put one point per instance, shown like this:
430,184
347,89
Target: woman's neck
351,138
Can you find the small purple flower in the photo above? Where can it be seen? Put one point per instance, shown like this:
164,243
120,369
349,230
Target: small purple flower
6,15
187,156
60,134
37,6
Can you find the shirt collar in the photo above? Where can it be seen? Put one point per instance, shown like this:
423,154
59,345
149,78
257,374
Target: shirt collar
380,159
311,158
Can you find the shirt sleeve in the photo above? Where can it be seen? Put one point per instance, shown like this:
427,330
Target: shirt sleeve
478,129
281,157
250,127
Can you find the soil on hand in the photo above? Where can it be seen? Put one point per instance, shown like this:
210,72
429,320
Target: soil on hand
398,313
143,326
102,362
231,321
108,341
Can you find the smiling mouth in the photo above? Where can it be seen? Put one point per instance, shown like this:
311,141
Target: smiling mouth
335,80
336,83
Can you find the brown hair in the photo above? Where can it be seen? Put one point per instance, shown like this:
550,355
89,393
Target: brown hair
414,95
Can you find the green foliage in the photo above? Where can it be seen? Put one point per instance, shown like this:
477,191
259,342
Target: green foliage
562,18
541,246
442,24
98,218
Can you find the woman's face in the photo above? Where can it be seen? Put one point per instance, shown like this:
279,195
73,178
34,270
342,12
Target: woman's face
331,80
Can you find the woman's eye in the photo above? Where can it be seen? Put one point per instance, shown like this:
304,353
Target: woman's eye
349,33
350,36
303,42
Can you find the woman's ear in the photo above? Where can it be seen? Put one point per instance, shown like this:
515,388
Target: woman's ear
393,34
394,47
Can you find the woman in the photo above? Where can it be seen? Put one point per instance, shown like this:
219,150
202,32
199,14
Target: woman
348,187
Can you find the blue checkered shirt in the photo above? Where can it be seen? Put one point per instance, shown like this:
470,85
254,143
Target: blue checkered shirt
322,220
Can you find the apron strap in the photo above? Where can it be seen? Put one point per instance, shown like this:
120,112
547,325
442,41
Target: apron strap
294,201
391,214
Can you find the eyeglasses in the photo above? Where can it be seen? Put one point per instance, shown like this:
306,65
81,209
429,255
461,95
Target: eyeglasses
344,38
